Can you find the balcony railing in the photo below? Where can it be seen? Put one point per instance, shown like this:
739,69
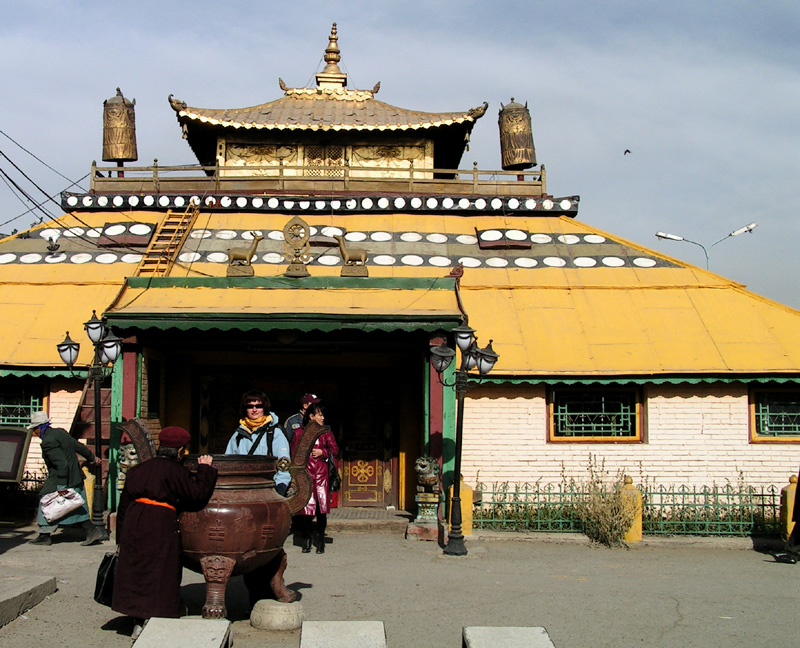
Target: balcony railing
302,179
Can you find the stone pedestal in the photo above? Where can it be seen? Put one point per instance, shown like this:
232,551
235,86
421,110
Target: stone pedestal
426,525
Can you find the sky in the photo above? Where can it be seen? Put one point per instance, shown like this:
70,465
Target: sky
705,95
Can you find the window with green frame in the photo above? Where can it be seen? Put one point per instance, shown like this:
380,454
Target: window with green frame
775,414
18,402
595,414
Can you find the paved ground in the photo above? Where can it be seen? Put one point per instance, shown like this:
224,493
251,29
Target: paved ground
660,594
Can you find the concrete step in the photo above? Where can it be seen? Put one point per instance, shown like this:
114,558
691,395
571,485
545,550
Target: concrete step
343,634
187,632
506,636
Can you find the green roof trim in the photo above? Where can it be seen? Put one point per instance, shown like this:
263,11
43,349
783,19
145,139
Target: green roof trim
307,283
637,380
32,372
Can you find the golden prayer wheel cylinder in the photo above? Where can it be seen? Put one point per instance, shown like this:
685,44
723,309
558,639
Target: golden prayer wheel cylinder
516,137
119,129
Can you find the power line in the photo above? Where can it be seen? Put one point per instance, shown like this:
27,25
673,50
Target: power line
38,159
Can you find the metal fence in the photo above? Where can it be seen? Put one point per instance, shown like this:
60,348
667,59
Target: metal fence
681,510
20,500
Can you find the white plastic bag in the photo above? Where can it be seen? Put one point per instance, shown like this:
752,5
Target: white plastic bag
60,504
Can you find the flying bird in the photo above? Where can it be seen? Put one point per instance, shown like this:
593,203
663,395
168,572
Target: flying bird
626,151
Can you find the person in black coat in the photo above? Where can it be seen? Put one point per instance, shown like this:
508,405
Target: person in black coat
59,451
148,577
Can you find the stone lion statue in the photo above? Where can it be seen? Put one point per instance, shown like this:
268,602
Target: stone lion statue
428,473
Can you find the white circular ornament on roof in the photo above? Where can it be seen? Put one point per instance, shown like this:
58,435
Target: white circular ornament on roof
163,201
328,260
133,201
355,237
304,204
50,234
72,201
131,258
384,260
547,203
200,234
366,203
115,230
33,257
516,235
464,203
530,203
436,238
554,262
218,257
569,239
383,203
565,204
448,203
102,201
336,204
594,238
73,232
469,262
496,203
241,202
467,239
272,257
541,238
351,204
258,203
273,203
288,204
275,235
7,257
94,233
331,231
411,237
416,203
431,203
480,203
225,201
87,201
643,262
140,229
496,262
81,257
319,204
149,201
585,262
412,259
249,235
188,257
513,203
613,262
55,258
106,258
525,262
399,203
439,261
180,201
194,201
491,235
381,236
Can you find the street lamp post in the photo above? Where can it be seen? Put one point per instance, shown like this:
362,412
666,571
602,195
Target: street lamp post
471,357
706,251
107,348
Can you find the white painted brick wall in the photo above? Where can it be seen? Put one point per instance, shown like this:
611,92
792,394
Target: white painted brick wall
696,435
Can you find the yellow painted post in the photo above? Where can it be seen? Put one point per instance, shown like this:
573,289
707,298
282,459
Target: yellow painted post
633,498
88,486
466,508
787,506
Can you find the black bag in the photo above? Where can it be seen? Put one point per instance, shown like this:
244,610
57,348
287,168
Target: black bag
104,587
334,480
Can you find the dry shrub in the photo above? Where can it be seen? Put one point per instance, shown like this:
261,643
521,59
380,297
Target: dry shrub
604,511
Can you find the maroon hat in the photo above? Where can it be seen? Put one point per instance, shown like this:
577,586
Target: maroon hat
173,437
308,399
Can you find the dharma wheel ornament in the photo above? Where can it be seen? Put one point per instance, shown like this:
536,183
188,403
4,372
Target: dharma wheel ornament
516,137
119,130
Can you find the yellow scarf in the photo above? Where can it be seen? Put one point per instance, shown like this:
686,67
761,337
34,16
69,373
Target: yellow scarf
251,425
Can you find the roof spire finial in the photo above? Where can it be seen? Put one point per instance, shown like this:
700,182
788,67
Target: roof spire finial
331,76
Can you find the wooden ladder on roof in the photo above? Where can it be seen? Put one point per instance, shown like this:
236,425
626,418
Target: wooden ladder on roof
167,242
